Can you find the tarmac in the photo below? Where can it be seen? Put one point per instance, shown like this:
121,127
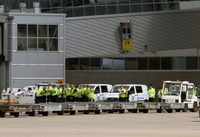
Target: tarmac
152,124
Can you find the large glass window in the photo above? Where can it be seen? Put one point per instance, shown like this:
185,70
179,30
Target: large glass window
178,63
118,64
154,63
130,64
166,63
73,64
84,64
95,64
142,63
191,63
107,64
37,37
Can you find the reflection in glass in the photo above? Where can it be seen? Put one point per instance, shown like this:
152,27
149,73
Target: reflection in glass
21,44
191,63
130,64
43,44
136,8
101,10
142,63
148,7
89,11
21,31
95,64
124,9
113,9
32,44
32,30
73,64
84,64
179,63
53,44
53,31
118,64
154,63
166,63
107,64
42,29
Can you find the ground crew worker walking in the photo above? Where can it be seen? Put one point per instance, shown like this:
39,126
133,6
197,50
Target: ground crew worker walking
59,94
68,91
121,94
54,93
151,93
48,92
38,95
90,94
160,93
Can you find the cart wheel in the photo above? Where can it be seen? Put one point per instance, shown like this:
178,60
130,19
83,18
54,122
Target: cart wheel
159,110
140,110
104,110
169,110
145,111
177,110
97,112
2,114
110,111
185,108
130,110
72,112
121,111
195,107
134,111
16,114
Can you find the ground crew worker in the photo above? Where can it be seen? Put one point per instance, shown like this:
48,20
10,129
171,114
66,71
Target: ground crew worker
84,90
160,93
121,94
87,91
38,95
151,93
68,90
54,93
76,94
59,94
90,94
72,93
80,94
48,92
126,93
43,94
195,91
63,93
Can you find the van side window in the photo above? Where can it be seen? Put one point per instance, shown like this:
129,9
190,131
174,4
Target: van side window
138,89
104,89
132,90
97,90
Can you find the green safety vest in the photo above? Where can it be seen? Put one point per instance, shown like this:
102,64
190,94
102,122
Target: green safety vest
43,92
165,91
64,93
76,94
38,92
122,95
68,91
91,94
151,93
88,92
72,90
160,92
56,91
84,90
49,88
80,93
195,93
60,93
126,94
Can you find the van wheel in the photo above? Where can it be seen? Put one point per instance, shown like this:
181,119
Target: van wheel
97,112
177,110
16,114
140,110
32,113
2,114
195,107
121,111
159,110
86,112
60,113
104,110
110,111
185,108
45,113
72,112
145,111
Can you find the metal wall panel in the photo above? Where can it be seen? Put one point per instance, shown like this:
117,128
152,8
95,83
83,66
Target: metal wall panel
100,35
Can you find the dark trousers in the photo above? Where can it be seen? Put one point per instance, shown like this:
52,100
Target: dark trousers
37,100
122,99
43,99
126,99
75,99
159,99
54,98
151,99
80,99
63,99
72,98
48,98
68,99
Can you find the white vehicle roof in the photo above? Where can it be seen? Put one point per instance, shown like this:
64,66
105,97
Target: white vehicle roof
129,85
185,82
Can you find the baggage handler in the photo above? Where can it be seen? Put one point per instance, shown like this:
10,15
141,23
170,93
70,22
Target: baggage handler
122,96
59,94
54,93
68,91
90,95
38,94
48,92
151,93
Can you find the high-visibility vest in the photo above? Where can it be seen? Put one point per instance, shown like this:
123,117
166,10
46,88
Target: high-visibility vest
165,91
72,91
56,91
60,93
195,92
76,93
84,91
151,93
38,91
126,94
64,93
68,90
80,93
122,95
160,92
43,92
49,88
91,94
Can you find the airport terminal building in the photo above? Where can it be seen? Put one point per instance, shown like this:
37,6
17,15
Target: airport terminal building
82,41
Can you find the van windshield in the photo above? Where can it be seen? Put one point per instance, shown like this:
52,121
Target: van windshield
116,89
173,88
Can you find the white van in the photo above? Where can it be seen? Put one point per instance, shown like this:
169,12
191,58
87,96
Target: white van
136,92
101,91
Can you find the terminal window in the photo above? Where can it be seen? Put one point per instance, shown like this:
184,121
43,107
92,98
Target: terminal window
34,37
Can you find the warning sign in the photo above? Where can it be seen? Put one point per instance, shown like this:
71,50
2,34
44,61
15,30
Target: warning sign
127,45
60,81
